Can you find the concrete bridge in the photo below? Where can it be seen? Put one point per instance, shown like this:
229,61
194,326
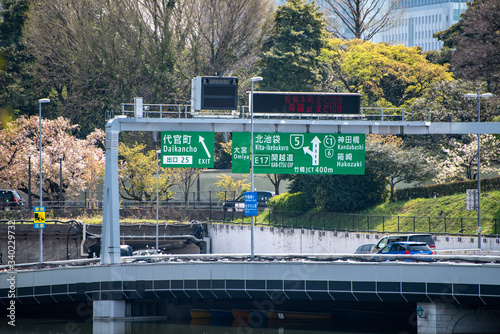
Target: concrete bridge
452,295
456,296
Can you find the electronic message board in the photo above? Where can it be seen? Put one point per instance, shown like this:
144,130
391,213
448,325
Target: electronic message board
306,103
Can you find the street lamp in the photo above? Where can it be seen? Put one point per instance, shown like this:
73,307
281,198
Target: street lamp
478,96
61,158
41,182
29,180
158,152
252,80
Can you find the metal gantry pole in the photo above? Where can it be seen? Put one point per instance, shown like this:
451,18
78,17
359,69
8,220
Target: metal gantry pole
41,179
40,251
157,196
478,174
252,80
479,228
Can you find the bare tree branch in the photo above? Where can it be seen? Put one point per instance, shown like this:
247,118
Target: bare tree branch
362,18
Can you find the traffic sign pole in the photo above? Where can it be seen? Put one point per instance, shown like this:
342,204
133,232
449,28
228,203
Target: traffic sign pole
39,223
252,80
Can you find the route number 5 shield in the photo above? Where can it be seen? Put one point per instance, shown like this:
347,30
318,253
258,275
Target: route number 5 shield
296,141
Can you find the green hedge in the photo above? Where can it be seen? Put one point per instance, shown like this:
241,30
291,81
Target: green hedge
289,202
446,189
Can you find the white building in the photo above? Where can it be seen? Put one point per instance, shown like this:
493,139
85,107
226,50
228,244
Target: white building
419,20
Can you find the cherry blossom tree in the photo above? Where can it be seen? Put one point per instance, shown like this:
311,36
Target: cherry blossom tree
83,158
461,158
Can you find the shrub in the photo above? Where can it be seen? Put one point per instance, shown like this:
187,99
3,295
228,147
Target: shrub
289,202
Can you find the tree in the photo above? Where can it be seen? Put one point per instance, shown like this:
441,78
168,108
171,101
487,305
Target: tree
137,174
95,161
231,186
222,154
92,55
185,178
276,181
341,193
362,18
477,43
20,139
447,102
396,163
460,161
225,36
385,75
289,61
17,95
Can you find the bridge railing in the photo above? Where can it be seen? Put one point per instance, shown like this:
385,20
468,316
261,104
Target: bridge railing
184,111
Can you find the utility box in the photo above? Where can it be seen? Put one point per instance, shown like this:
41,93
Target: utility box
214,93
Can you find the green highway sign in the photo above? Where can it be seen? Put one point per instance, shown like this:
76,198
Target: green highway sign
187,149
300,153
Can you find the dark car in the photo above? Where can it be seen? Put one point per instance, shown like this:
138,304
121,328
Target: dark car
10,199
125,250
239,203
427,238
407,247
364,249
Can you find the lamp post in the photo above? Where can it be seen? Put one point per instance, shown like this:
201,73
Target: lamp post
29,180
478,96
61,158
41,182
158,152
252,80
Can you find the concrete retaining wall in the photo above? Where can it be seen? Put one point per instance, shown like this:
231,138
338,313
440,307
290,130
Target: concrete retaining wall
235,239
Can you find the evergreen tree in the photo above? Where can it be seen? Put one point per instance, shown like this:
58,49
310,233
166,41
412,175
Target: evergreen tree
476,43
290,62
16,94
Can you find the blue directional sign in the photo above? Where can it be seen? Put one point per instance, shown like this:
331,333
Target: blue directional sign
251,203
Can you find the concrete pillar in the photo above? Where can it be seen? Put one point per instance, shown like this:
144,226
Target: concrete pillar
440,318
109,326
108,309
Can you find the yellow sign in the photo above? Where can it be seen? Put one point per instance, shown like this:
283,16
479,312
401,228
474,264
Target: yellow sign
39,217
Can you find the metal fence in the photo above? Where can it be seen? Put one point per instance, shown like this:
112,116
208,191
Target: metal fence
196,200
375,223
210,206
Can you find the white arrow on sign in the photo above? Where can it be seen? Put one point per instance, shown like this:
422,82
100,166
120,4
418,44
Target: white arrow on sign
202,141
315,152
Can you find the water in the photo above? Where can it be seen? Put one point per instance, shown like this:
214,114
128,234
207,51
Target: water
202,326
